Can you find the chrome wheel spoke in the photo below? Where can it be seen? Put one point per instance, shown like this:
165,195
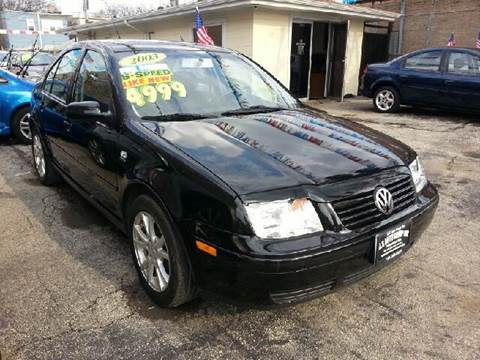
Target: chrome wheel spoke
25,126
163,254
145,264
141,239
162,277
159,241
148,224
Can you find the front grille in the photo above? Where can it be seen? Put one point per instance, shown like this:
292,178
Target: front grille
359,210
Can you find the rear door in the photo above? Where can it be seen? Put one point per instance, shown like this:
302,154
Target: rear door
421,78
92,144
53,102
462,79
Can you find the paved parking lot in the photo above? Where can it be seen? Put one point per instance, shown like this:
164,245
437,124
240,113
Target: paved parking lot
68,288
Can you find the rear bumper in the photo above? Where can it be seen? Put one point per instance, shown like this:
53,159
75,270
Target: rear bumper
291,279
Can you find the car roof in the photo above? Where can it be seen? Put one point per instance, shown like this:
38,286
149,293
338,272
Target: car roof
121,45
449,48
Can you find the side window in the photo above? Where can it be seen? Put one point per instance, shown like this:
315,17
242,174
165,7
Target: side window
93,82
463,63
64,74
426,61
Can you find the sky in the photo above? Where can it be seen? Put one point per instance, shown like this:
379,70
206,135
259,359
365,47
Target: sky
75,6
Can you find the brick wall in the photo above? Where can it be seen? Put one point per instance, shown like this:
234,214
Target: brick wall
428,23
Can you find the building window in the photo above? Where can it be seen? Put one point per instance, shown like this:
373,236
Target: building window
214,31
31,24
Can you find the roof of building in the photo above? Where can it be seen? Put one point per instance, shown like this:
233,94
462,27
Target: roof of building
211,5
121,45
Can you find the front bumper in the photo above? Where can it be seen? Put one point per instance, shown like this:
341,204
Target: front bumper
288,278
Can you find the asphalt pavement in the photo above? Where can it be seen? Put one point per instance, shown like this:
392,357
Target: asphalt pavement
68,288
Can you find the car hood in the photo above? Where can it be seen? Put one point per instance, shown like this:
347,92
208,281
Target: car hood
260,152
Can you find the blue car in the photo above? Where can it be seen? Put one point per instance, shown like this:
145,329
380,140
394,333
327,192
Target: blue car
15,97
437,78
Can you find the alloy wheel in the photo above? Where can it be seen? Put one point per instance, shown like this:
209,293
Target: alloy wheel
39,156
151,251
385,100
25,126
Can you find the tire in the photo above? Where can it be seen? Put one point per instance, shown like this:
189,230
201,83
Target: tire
21,125
162,265
42,164
386,100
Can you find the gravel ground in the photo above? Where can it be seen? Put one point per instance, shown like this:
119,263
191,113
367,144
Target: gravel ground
68,289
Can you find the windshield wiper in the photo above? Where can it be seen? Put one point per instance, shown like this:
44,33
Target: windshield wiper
253,110
177,117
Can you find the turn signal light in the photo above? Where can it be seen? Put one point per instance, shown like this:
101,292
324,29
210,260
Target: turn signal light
210,250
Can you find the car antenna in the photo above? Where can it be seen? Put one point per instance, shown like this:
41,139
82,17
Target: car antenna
9,61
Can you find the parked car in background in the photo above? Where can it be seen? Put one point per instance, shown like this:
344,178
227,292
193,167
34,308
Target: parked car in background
222,180
30,65
15,97
442,78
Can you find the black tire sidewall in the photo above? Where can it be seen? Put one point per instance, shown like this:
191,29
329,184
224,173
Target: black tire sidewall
173,295
396,99
16,125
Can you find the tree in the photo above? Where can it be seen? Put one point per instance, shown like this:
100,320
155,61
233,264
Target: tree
120,10
26,5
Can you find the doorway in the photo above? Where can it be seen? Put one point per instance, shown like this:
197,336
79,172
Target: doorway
300,59
317,59
339,40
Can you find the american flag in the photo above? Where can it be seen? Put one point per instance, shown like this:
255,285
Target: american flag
477,44
451,41
202,34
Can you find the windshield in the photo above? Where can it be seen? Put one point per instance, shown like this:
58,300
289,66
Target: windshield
41,59
182,82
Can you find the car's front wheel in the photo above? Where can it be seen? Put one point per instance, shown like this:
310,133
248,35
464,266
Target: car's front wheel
21,125
46,173
159,256
386,100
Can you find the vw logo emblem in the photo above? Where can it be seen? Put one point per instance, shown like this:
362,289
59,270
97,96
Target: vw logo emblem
383,200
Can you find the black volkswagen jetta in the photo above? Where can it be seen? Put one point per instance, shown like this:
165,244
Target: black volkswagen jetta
221,179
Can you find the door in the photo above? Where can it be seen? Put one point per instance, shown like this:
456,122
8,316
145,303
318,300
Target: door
93,138
462,79
300,59
421,79
318,73
54,96
339,36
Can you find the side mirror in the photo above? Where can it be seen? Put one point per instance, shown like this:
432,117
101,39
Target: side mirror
85,109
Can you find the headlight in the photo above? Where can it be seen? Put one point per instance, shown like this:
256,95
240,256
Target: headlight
283,218
418,174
